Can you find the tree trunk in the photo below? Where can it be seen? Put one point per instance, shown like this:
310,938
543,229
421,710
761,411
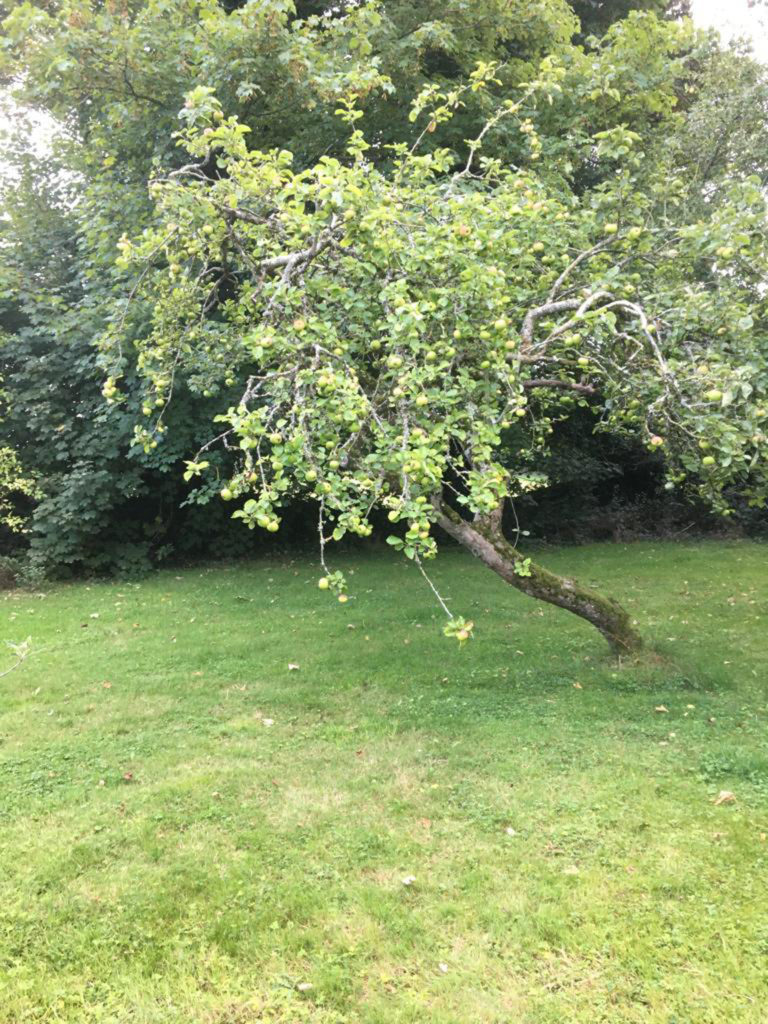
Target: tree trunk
485,540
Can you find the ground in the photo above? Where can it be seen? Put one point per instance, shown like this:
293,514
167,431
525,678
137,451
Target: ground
396,830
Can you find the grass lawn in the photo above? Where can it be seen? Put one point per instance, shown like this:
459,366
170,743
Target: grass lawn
193,833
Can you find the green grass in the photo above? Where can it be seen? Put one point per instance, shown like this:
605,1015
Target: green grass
241,860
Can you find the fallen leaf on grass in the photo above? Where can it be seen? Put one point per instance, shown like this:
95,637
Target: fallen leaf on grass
662,710
725,796
578,686
292,667
304,986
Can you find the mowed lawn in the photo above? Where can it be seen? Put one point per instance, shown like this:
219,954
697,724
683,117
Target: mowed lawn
193,832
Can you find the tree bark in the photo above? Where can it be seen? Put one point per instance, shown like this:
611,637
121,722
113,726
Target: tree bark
485,540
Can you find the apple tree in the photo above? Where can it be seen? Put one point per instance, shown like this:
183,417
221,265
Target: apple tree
413,331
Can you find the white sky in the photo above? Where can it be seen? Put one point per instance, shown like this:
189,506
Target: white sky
733,18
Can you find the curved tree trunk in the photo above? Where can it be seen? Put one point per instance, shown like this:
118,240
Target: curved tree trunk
485,540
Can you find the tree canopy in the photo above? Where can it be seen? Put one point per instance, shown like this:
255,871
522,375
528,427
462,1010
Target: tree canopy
590,116
414,331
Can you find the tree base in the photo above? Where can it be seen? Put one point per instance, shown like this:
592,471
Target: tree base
485,540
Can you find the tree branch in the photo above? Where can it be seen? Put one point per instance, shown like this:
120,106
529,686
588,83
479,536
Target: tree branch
562,385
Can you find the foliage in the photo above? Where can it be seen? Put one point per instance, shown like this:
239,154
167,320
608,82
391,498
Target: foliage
114,76
402,320
596,16
169,857
13,482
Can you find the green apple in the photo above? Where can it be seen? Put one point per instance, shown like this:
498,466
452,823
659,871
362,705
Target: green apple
323,583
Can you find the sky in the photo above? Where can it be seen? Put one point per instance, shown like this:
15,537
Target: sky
734,18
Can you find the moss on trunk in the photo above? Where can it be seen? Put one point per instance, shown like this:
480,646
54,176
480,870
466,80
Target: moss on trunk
485,540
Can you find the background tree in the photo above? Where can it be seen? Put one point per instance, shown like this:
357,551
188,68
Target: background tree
596,16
